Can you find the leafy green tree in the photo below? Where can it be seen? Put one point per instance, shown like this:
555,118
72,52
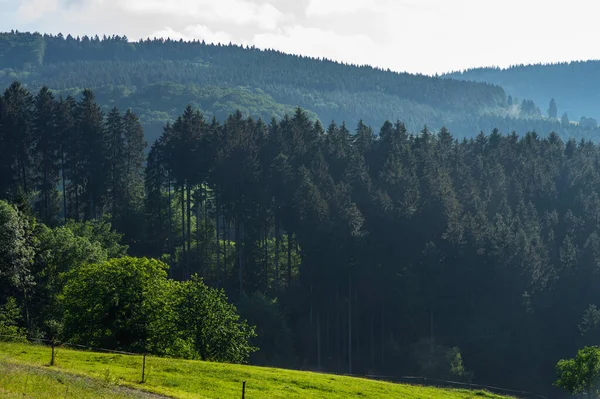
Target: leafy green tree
10,321
129,304
16,252
581,375
213,325
100,232
117,304
59,251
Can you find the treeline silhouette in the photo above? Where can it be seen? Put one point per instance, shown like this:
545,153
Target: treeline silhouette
158,77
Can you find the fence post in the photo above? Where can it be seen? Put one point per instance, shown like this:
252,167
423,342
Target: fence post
144,369
52,358
243,389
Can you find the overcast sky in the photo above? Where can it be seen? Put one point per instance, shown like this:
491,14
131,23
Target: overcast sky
425,36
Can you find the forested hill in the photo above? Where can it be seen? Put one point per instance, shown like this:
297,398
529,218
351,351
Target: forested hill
574,85
158,77
351,250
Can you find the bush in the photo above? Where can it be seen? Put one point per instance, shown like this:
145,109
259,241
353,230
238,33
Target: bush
581,375
438,361
118,304
211,324
129,304
10,318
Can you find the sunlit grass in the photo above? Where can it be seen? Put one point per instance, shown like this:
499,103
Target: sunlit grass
192,379
22,381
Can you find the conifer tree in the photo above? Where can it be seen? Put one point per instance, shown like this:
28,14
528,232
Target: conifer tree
67,145
91,169
17,141
46,149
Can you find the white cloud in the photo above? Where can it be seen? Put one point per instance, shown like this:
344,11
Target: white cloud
317,42
32,10
414,35
236,11
324,8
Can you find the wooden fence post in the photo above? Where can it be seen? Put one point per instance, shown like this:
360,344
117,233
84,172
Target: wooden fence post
144,369
243,389
52,358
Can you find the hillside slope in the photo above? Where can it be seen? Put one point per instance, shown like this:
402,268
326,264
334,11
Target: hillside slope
191,379
574,85
158,77
18,381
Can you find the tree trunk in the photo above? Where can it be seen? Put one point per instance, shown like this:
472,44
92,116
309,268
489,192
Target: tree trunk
76,202
372,341
226,244
114,188
266,262
431,343
189,228
349,325
276,253
289,259
238,248
205,261
318,341
64,188
46,189
198,233
170,225
357,331
327,335
338,333
183,254
382,333
217,228
92,213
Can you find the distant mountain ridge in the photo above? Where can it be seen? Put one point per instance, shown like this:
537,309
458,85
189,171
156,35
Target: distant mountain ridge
574,85
157,78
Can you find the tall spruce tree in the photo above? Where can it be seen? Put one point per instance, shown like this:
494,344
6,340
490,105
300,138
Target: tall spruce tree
46,149
17,142
91,169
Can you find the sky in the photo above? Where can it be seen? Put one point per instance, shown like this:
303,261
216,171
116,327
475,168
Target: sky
417,36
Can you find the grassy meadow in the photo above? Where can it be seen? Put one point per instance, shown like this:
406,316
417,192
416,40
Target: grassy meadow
25,372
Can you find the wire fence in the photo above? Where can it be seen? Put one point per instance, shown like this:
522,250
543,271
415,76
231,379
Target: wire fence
424,381
454,384
53,344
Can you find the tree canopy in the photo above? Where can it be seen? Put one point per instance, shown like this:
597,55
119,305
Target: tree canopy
370,249
158,77
581,375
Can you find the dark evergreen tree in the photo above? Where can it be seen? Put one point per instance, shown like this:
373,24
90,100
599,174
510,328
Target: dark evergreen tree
67,147
553,110
17,142
92,166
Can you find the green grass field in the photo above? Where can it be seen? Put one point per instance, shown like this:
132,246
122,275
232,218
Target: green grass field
18,381
24,372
